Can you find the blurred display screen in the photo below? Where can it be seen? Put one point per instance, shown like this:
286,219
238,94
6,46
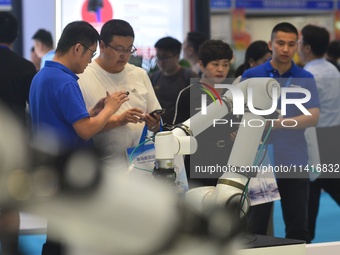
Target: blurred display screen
5,5
150,19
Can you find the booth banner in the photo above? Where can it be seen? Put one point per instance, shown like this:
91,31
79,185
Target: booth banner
143,163
263,188
141,160
241,37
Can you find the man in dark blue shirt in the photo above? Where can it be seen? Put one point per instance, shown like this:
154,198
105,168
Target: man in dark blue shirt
287,136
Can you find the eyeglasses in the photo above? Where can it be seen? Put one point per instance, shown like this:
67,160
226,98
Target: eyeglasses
122,50
93,52
164,58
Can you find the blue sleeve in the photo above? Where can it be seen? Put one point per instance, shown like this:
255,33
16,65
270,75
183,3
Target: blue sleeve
72,103
258,71
245,75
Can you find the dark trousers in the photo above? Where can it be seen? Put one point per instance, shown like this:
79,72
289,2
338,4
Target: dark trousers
294,202
331,186
329,149
259,216
52,246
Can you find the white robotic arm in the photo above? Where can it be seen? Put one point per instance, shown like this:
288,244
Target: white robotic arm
102,212
231,185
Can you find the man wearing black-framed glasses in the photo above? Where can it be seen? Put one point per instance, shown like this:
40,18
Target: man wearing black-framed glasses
57,107
110,71
120,50
88,48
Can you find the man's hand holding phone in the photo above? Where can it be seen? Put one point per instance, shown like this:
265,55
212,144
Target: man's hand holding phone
152,119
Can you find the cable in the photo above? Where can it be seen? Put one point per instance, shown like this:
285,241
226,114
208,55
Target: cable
133,151
245,191
264,155
244,196
261,148
177,100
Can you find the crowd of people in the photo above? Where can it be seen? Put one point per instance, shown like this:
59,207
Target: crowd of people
104,103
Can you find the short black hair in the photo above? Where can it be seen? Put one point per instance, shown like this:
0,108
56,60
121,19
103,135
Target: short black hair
44,36
8,27
195,39
255,51
284,27
317,37
334,49
169,44
115,27
212,50
77,32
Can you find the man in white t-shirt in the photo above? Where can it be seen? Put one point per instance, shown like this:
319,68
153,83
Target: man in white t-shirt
112,72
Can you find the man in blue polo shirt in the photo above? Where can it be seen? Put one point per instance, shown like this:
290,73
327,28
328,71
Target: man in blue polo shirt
56,101
57,106
290,147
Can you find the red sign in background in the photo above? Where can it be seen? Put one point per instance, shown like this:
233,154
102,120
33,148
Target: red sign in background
97,15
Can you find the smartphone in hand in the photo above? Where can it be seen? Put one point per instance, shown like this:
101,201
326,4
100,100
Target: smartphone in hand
158,112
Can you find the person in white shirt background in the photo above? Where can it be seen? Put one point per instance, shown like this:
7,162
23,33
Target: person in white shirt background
313,44
112,72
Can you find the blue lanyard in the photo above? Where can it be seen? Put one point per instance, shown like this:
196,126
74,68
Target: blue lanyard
288,82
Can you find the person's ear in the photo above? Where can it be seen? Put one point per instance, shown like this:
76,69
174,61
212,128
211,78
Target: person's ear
77,49
270,45
101,45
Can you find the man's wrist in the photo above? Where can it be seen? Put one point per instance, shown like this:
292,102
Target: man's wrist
154,128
